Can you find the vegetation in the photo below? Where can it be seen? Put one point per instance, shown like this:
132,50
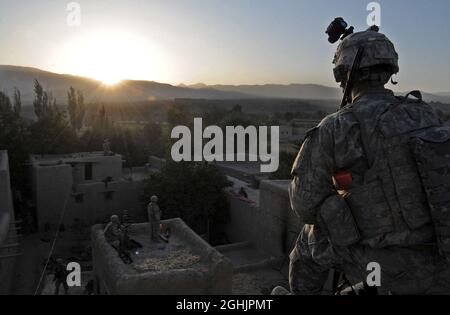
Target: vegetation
57,131
183,192
14,135
136,131
76,108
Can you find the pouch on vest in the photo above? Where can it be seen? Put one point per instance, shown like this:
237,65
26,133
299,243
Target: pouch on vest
431,149
339,222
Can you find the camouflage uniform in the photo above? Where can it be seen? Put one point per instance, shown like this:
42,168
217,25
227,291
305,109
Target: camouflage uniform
154,218
60,277
113,232
383,216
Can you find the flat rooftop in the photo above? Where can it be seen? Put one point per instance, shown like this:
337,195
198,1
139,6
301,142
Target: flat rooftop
71,157
186,265
175,255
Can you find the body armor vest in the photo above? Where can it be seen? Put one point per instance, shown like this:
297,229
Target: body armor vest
390,205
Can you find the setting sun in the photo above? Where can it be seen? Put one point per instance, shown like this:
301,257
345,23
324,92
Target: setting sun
111,56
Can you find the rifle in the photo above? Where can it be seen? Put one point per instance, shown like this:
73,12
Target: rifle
353,75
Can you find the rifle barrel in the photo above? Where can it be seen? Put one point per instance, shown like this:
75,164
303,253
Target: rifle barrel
352,77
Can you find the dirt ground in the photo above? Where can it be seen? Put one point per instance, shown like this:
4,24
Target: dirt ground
258,282
28,268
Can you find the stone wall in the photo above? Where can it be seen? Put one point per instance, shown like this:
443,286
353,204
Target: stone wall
91,202
272,227
52,187
278,225
6,207
242,227
116,278
8,251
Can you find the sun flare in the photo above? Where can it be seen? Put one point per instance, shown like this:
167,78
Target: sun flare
111,56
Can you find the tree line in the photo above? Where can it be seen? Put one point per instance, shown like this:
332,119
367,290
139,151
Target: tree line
61,130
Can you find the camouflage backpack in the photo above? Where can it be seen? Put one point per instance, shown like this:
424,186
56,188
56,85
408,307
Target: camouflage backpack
431,150
409,174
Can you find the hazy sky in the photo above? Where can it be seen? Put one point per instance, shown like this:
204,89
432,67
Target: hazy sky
219,41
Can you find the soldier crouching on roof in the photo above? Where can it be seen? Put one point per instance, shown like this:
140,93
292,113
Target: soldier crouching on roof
381,212
116,236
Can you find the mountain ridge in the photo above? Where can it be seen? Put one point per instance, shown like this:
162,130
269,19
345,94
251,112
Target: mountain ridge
140,90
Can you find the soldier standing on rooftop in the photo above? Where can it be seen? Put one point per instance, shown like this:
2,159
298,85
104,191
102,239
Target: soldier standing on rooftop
154,218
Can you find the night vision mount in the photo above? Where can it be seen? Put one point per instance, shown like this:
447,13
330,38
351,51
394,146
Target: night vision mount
338,29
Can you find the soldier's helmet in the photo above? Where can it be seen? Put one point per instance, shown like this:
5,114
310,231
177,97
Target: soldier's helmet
114,218
379,61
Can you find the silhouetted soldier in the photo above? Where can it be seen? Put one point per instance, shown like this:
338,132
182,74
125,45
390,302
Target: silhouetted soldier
60,276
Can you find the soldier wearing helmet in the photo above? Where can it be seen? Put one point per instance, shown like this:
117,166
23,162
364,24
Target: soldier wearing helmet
379,63
356,185
113,231
60,276
154,217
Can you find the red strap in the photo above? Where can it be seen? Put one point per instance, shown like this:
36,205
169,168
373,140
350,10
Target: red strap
343,180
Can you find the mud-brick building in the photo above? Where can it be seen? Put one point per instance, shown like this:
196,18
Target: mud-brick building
84,188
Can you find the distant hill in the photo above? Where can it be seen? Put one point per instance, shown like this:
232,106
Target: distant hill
131,91
302,91
127,91
293,91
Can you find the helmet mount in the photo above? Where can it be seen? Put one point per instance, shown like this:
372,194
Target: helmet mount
338,30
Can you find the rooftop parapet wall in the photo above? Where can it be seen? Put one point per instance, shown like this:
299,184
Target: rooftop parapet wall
102,166
212,276
272,227
8,236
243,213
279,226
6,207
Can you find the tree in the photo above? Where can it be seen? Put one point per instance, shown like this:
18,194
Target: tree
76,107
195,193
51,134
40,102
177,115
155,142
103,121
17,103
13,137
5,106
237,109
81,107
